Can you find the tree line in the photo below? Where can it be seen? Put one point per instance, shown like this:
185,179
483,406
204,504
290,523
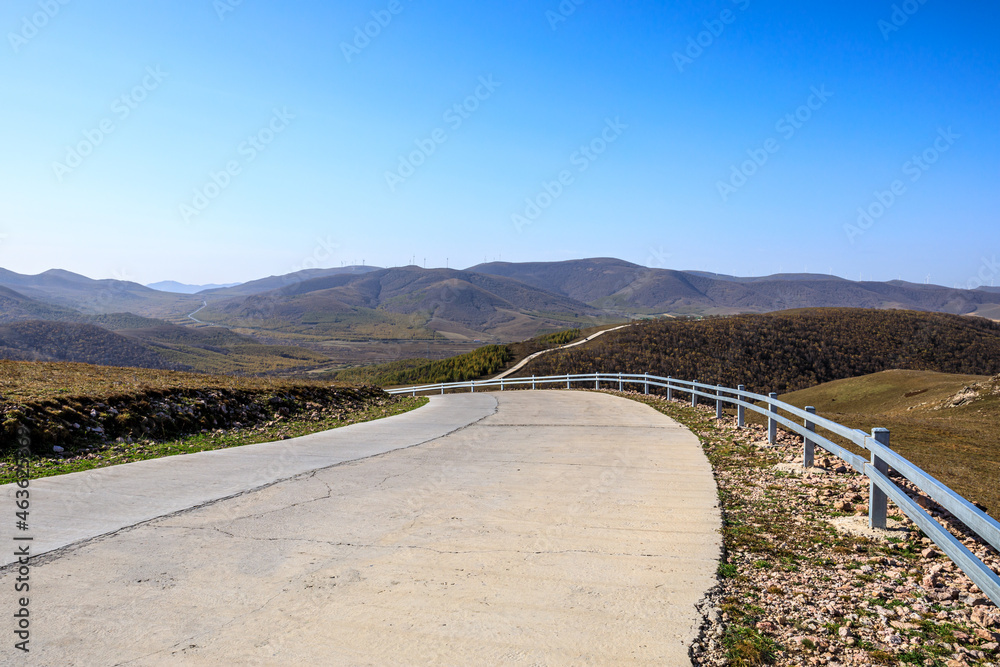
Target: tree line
485,360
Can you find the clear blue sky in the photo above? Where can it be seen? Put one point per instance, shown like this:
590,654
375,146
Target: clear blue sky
666,123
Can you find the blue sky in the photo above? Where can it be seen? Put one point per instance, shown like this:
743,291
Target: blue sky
216,141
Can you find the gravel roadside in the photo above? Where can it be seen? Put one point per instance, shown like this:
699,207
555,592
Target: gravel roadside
805,582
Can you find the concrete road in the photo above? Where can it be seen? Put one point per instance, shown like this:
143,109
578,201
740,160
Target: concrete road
566,528
84,505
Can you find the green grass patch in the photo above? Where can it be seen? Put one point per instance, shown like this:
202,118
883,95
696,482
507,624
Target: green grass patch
728,570
746,647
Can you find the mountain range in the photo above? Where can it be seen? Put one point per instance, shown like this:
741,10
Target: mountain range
626,288
300,315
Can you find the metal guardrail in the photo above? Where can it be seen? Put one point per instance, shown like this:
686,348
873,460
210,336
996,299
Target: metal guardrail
876,468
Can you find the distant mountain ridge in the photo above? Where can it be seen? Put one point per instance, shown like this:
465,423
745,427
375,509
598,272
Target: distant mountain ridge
184,288
627,288
608,285
437,300
297,316
69,290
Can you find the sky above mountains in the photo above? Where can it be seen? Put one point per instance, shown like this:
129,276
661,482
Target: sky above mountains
220,141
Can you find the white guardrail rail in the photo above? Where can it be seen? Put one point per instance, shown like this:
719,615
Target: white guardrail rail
876,468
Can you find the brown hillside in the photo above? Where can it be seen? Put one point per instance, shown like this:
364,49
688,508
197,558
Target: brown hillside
86,343
788,350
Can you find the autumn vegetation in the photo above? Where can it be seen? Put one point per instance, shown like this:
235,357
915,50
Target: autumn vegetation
483,361
788,350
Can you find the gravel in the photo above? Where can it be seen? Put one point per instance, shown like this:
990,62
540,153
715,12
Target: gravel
804,581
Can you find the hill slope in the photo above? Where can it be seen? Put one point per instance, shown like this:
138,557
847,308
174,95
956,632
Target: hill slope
15,307
272,283
946,424
123,339
788,350
64,341
422,301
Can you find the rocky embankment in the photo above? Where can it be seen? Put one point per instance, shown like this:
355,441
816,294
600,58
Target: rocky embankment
70,423
803,581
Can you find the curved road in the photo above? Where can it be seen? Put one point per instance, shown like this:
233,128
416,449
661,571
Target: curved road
524,361
204,305
544,527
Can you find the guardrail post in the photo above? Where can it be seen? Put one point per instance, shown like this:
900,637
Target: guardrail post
808,446
645,377
621,387
741,416
772,425
567,380
877,500
718,402
501,384
694,398
532,383
670,390
597,380
414,393
472,386
442,388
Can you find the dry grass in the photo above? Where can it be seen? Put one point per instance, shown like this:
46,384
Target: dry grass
101,455
958,445
25,381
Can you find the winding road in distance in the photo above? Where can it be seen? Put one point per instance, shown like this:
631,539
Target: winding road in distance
204,305
528,527
524,361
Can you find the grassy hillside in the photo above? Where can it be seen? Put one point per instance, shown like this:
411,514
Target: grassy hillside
788,350
26,382
947,424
